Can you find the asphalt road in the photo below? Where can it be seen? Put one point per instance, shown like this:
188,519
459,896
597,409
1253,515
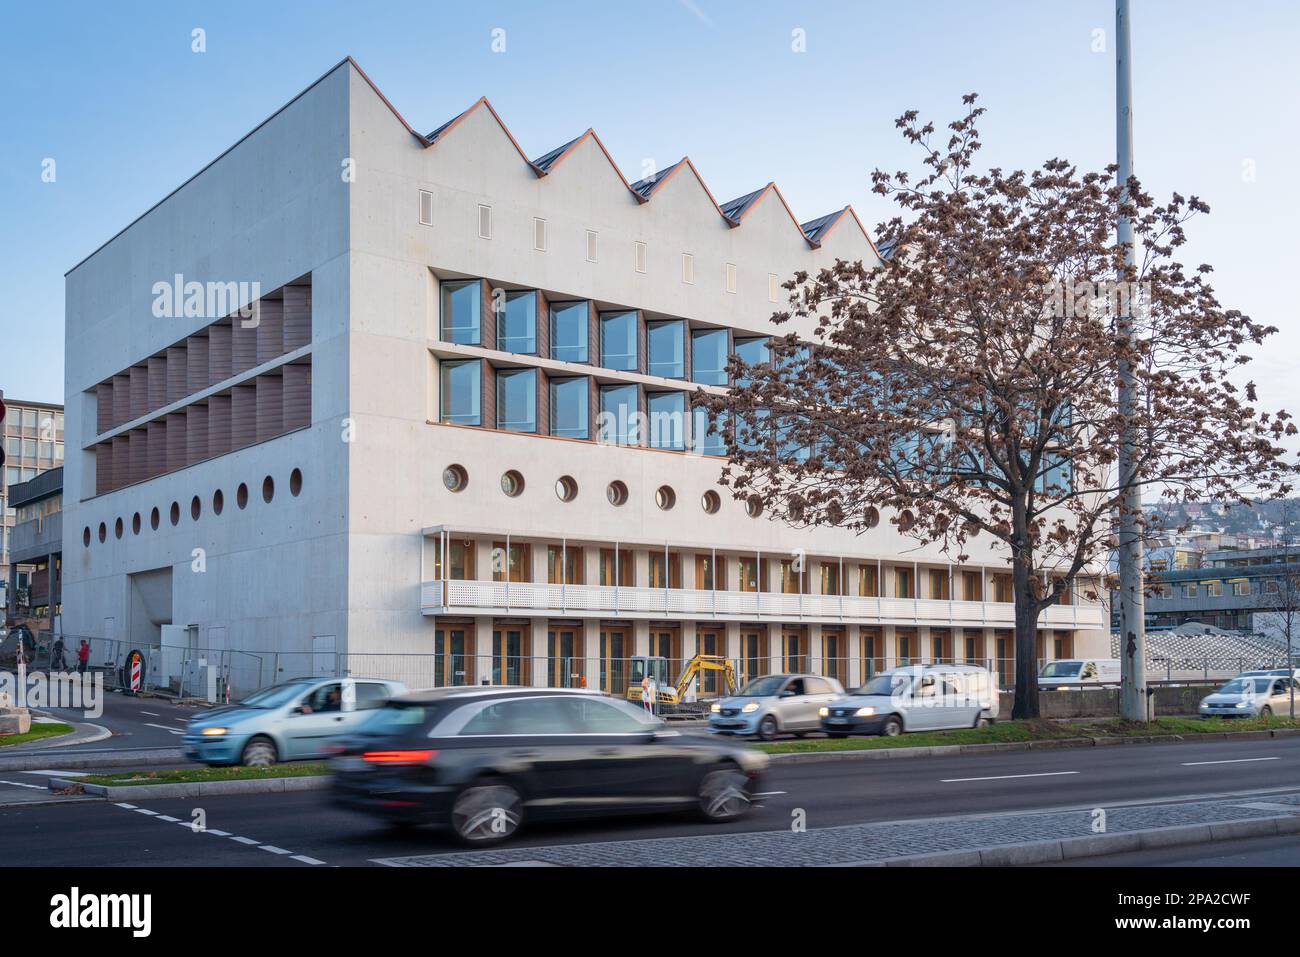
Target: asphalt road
135,722
304,825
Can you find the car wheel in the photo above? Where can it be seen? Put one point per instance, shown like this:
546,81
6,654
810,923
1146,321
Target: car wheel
258,753
724,794
893,727
767,729
981,722
487,812
1266,712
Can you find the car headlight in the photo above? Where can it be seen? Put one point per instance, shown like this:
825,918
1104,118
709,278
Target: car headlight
750,708
823,711
865,712
214,732
1241,704
715,707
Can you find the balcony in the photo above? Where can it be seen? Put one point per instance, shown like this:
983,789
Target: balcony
36,539
598,601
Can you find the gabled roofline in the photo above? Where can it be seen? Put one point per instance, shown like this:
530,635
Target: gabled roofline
573,145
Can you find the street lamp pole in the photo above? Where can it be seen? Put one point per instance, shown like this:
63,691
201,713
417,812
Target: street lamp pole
1133,690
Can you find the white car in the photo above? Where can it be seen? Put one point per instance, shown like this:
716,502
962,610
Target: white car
1069,673
1251,696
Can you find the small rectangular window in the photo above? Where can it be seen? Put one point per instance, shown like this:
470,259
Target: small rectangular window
426,208
772,287
731,277
591,246
638,256
539,235
484,222
688,268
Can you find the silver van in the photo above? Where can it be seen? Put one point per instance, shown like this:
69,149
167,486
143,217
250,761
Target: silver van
775,704
915,698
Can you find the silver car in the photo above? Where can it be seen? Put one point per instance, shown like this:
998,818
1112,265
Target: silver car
775,704
1251,696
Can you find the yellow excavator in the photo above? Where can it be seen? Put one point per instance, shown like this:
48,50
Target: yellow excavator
657,668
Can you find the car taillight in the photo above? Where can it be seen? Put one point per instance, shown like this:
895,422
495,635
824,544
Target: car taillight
398,757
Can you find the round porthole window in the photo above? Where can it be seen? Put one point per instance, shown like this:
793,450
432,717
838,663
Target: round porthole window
241,495
616,492
665,497
455,478
218,502
176,513
906,520
566,489
135,524
154,518
117,529
196,508
512,483
754,506
268,489
871,517
103,533
295,482
85,536
710,502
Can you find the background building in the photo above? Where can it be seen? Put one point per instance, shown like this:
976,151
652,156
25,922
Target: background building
454,442
33,442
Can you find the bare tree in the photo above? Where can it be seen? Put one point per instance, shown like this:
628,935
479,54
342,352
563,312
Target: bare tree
966,384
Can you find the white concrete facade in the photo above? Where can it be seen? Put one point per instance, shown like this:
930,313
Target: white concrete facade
330,187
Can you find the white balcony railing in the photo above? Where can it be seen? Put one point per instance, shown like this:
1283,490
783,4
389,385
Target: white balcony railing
587,600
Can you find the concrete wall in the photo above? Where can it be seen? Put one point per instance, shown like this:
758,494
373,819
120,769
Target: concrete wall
1105,702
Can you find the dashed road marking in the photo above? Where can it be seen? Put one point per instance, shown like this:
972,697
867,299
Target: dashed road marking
20,784
163,727
273,849
1192,764
129,807
245,840
305,859
152,714
171,820
145,810
60,774
1004,777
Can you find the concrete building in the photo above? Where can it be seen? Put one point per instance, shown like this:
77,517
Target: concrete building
33,443
1233,589
455,441
36,550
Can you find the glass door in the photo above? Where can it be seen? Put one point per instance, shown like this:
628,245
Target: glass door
793,651
564,662
613,661
451,665
509,664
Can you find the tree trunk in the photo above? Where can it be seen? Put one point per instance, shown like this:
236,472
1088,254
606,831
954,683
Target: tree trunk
1026,701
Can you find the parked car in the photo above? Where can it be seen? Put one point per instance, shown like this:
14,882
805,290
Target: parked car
774,704
1251,696
1069,673
291,721
482,760
915,698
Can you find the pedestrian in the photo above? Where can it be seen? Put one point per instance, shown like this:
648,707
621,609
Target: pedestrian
57,661
648,692
83,656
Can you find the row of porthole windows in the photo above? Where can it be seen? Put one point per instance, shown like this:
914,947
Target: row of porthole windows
196,508
456,479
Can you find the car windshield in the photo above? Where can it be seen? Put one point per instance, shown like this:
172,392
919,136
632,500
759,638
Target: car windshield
884,685
1246,686
394,717
763,687
1061,669
275,695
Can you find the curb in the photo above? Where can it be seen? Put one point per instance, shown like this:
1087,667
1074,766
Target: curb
1094,845
947,750
196,788
72,761
81,733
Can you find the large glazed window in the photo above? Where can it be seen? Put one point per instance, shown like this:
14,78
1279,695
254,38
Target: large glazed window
517,322
517,400
570,408
461,304
751,352
618,415
461,392
618,336
709,357
667,348
666,419
569,332
703,440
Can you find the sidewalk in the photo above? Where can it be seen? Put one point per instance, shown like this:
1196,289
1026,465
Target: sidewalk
973,840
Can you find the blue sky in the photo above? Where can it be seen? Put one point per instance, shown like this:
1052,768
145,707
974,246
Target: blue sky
114,94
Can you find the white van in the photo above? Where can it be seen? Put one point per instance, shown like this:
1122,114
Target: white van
915,698
1069,673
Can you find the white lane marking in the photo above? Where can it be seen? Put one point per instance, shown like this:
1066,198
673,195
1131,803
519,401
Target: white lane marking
129,807
60,774
214,832
272,848
1004,777
145,810
171,820
163,727
152,714
20,784
245,840
1192,764
305,859
768,794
